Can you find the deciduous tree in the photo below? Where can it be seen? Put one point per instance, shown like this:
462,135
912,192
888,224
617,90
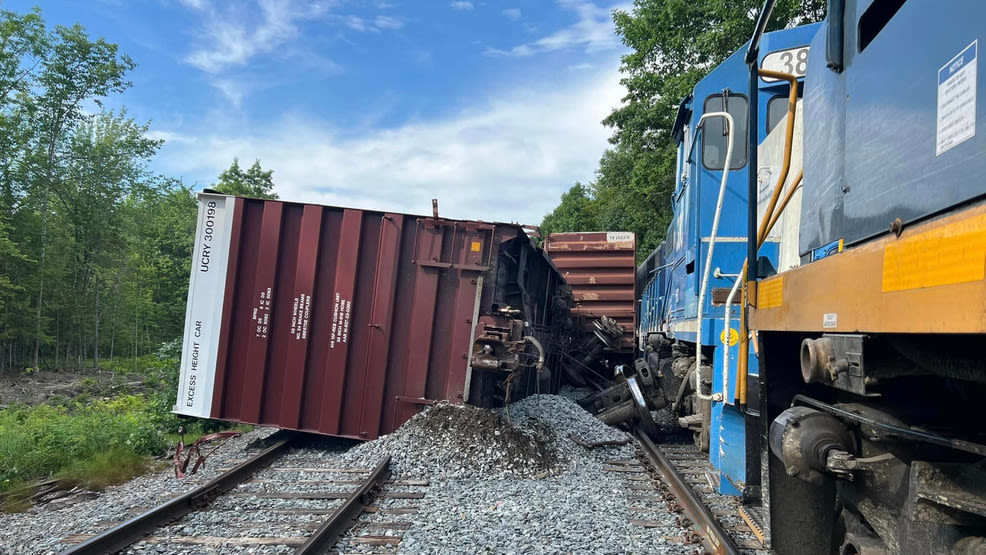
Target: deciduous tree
254,182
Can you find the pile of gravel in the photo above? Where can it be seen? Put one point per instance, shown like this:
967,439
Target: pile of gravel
461,441
530,438
579,507
565,418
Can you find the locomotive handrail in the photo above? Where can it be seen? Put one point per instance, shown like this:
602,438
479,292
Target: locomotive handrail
727,317
712,242
732,293
795,185
752,60
753,51
743,364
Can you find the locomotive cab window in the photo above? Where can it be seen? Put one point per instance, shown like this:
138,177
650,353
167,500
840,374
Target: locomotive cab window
714,138
875,18
777,109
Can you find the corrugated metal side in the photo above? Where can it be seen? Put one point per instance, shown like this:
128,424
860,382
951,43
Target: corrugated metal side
600,267
344,321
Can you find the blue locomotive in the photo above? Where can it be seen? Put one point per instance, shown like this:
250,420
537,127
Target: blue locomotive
835,380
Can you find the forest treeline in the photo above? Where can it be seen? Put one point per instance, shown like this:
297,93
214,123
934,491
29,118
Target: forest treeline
94,248
672,45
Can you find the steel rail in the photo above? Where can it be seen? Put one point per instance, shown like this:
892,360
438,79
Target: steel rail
714,537
345,516
131,531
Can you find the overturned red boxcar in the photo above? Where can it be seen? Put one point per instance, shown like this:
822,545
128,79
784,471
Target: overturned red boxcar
347,322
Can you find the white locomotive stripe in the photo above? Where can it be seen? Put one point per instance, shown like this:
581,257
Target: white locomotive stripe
685,325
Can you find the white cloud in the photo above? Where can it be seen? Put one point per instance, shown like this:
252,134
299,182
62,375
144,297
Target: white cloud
168,137
231,39
387,22
355,23
232,90
507,158
461,5
512,14
381,22
592,32
193,4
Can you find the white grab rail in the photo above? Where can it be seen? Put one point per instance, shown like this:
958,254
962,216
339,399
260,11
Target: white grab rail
712,244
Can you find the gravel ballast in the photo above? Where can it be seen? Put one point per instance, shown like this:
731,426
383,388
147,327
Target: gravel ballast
39,529
499,481
484,499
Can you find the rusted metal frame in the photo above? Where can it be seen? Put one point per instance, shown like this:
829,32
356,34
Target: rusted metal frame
195,450
714,537
380,327
133,530
232,285
420,326
457,223
345,516
265,281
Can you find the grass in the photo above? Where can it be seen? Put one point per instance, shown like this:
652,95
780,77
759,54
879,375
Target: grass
95,442
105,469
40,441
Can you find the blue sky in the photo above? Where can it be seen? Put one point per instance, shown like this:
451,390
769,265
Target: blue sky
493,107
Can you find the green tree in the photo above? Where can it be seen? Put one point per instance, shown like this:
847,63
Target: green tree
673,44
165,240
255,182
575,213
107,162
94,249
22,46
74,70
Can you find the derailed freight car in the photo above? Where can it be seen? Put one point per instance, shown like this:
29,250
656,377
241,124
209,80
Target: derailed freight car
347,322
600,267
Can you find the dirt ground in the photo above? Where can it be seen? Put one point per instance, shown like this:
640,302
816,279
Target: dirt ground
38,387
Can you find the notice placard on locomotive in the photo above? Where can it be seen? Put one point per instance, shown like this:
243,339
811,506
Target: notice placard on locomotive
957,100
203,313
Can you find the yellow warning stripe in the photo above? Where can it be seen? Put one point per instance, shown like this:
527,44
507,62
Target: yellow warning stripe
770,292
945,256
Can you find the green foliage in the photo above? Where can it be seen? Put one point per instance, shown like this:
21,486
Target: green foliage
94,249
575,213
673,44
39,441
95,254
255,182
108,468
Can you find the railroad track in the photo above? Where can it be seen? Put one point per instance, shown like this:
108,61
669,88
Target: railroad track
239,504
716,518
